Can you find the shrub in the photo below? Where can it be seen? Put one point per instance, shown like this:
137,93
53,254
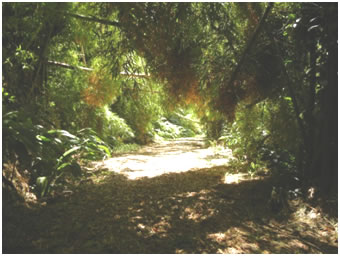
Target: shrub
48,154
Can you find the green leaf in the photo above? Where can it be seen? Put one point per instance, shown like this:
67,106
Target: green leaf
63,166
42,138
70,151
313,27
63,132
10,114
58,141
292,16
106,149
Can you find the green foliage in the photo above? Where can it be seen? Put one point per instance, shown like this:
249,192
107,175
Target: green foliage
28,29
140,107
48,154
118,68
171,60
115,128
180,123
186,118
256,137
168,130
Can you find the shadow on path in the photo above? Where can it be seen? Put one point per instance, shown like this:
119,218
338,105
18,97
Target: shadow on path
167,198
191,212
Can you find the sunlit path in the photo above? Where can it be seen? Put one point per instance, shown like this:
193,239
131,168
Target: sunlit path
173,156
196,206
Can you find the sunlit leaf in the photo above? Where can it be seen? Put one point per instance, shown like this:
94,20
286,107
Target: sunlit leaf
313,27
106,149
63,166
71,151
62,132
42,138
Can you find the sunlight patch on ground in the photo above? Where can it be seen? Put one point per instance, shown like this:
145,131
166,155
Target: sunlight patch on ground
167,157
218,237
234,178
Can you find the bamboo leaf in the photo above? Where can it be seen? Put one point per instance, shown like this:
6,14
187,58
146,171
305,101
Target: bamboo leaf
70,151
63,166
106,149
42,138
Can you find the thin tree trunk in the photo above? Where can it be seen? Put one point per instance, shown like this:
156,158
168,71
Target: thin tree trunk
328,172
326,166
301,126
309,117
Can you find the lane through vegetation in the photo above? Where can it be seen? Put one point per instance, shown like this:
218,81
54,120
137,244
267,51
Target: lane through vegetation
169,127
168,210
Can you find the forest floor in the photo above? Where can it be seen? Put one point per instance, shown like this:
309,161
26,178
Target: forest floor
169,197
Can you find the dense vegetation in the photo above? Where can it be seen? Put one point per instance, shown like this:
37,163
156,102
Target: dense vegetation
85,81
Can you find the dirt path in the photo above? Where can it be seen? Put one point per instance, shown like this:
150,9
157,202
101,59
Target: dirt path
148,202
174,156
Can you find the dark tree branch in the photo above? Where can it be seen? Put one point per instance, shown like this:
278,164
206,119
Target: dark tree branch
295,104
94,19
248,47
137,75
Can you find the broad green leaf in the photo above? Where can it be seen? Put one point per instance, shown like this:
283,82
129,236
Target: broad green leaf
70,151
106,149
63,132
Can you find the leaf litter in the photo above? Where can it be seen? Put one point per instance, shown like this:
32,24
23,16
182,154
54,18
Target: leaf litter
200,210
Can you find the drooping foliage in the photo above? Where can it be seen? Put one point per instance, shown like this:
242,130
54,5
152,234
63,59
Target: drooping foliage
288,80
260,76
169,37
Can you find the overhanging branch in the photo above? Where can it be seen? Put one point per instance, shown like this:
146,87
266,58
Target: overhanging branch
94,19
248,47
68,66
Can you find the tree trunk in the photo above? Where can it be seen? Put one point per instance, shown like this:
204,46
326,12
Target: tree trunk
309,115
325,168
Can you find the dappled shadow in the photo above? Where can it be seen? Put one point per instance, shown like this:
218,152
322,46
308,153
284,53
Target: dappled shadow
191,212
170,197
